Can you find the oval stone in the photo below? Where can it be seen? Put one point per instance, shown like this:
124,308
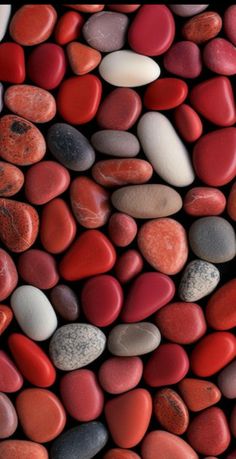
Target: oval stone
199,394
166,366
47,65
147,201
165,93
171,411
229,23
198,280
116,172
122,229
106,31
12,63
116,143
68,27
5,13
8,417
6,317
22,449
183,59
8,275
213,239
76,345
65,302
10,378
120,109
120,374
227,381
128,69
220,309
231,203
38,268
83,59
202,27
219,56
187,10
188,123
70,147
164,149
21,143
166,445
128,265
127,340
11,179
204,201
32,24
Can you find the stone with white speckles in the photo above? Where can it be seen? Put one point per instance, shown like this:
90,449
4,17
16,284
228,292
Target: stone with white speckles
188,10
199,279
106,31
127,340
5,13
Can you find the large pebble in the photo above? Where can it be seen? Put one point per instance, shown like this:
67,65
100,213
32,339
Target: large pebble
8,275
128,69
17,449
11,179
70,147
106,31
213,239
30,302
164,149
147,201
171,411
116,172
116,143
220,310
81,442
65,302
127,340
120,109
33,24
227,380
10,377
187,10
166,445
120,374
204,201
184,59
199,279
219,56
8,417
199,394
76,345
5,13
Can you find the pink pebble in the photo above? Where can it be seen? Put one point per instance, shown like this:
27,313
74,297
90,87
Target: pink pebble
38,268
122,229
183,59
229,23
128,265
219,56
120,374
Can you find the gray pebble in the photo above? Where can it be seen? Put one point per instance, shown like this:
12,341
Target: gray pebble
1,97
128,340
65,302
106,31
188,10
76,345
213,239
227,380
70,147
81,442
116,143
199,279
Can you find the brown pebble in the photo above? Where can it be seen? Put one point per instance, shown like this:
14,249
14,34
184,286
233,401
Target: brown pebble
65,302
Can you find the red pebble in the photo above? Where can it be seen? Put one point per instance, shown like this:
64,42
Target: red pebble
115,172
128,265
214,157
120,374
68,27
214,99
183,59
102,299
79,98
220,310
38,268
47,65
123,8
6,316
120,109
219,55
165,93
231,203
188,123
168,365
10,377
203,201
8,275
86,8
199,394
170,411
122,229
212,353
81,395
229,24
12,63
32,361
152,30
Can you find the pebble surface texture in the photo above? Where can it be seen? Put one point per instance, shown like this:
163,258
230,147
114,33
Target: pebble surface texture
199,279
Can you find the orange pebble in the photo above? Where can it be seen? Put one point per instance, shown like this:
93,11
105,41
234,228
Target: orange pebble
82,58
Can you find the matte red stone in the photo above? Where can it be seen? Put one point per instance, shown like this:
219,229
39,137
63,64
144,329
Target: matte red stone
148,293
171,411
120,109
38,268
101,300
10,378
6,316
212,353
219,55
123,8
47,65
12,63
167,365
32,24
128,265
81,395
214,157
68,27
91,254
122,229
229,21
32,361
152,30
188,123
214,99
82,58
221,307
8,275
58,226
183,323
204,201
165,445
199,394
78,98
117,453
209,433
22,449
231,203
165,93
120,374
184,59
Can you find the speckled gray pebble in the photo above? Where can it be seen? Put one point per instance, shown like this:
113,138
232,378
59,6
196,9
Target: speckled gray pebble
65,302
188,10
227,380
76,345
199,279
116,143
82,442
1,97
128,340
213,239
106,31
70,147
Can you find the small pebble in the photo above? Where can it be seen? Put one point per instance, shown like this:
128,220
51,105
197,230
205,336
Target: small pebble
204,201
120,374
11,179
38,268
116,172
8,417
68,27
65,302
120,109
188,123
171,411
116,143
199,394
120,453
82,58
1,97
122,229
188,10
12,63
183,59
32,24
165,93
220,309
10,378
231,203
128,265
202,27
128,340
6,317
106,31
227,381
8,275
47,65
198,280
219,56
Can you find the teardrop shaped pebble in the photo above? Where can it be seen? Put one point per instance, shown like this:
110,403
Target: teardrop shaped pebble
199,280
171,411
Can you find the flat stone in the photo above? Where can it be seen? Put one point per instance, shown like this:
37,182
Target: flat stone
106,31
65,302
32,24
122,229
116,172
38,268
219,56
76,345
229,23
8,417
202,27
12,62
213,239
199,394
11,179
5,13
187,10
171,411
184,59
188,123
82,58
46,65
120,374
199,279
227,381
128,265
120,109
231,203
8,275
165,445
14,449
6,317
70,147
10,378
127,340
116,143
204,201
220,309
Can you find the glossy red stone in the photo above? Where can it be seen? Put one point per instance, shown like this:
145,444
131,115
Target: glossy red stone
165,93
115,172
167,365
229,20
204,201
8,275
120,374
68,27
12,63
10,378
199,394
38,268
128,265
86,8
122,229
82,58
32,24
47,65
220,309
6,316
188,123
120,109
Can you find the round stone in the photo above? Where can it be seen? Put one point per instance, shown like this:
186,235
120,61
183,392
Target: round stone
38,268
65,302
204,201
171,411
188,123
219,56
183,59
106,31
220,309
82,58
12,63
120,374
231,203
116,172
128,265
8,275
229,23
187,10
116,143
10,378
227,380
16,449
199,279
166,445
202,27
128,340
120,109
8,417
11,179
68,27
165,93
199,394
33,24
6,317
122,229
47,65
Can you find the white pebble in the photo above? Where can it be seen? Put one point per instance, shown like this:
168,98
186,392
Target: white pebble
5,12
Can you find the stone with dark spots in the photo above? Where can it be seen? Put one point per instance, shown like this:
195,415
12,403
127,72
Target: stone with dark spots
65,302
11,179
19,127
199,279
171,411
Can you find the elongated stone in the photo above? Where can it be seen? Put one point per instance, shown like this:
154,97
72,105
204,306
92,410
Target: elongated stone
129,340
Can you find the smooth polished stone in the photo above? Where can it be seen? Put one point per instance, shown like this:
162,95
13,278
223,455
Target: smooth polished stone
82,58
164,149
120,109
22,449
229,19
38,268
219,56
81,395
128,340
184,59
171,411
21,143
10,378
5,13
128,69
188,123
68,27
116,143
128,265
6,317
32,24
227,381
204,201
41,414
122,229
202,27
167,255
47,65
199,279
106,31
128,417
8,275
152,31
65,302
166,366
165,94
89,202
182,323
92,253
11,179
166,445
19,225
120,374
70,147
213,239
116,172
121,453
12,63
199,394
32,361
220,309
231,203
76,345
187,10
212,353
149,292
8,417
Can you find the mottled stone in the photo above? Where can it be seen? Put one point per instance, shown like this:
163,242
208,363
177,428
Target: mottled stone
117,172
127,340
171,411
65,302
106,31
11,179
202,27
116,143
199,279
